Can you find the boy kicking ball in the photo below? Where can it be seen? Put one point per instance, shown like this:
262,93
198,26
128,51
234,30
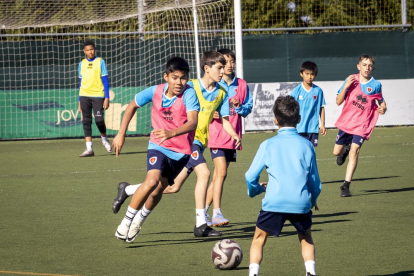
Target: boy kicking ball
292,189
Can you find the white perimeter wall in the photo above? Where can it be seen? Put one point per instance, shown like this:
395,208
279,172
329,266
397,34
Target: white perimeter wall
398,94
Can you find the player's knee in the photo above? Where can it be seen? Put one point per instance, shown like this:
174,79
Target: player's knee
222,173
150,183
87,121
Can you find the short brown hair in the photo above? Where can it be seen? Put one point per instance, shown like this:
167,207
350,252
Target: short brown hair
210,58
371,58
286,110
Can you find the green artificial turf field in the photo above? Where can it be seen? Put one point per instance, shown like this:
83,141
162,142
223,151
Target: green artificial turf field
56,216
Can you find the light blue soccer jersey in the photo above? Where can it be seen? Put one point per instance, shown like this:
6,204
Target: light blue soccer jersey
190,101
371,87
293,179
245,108
310,103
223,109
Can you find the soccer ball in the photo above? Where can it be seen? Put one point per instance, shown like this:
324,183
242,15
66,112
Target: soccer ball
226,254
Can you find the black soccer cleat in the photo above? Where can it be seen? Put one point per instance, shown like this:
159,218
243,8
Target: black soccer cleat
205,231
345,192
120,197
342,158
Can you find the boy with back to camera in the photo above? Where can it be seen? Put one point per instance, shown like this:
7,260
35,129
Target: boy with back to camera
212,97
311,102
292,189
362,94
222,147
93,95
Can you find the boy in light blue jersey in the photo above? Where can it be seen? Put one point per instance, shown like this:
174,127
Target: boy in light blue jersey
292,189
311,103
93,96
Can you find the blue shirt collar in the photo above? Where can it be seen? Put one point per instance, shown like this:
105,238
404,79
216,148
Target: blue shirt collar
287,130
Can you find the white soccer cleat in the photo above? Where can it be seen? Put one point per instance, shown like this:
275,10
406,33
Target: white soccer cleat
107,145
134,229
87,153
122,231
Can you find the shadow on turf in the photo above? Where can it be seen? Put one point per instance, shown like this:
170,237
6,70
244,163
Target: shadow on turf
401,273
375,192
233,232
362,179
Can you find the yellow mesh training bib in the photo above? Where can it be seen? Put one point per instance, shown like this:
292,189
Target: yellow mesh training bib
91,85
205,116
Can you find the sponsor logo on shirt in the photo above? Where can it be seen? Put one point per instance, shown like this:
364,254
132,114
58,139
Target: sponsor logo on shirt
360,101
194,155
167,115
153,160
90,66
300,97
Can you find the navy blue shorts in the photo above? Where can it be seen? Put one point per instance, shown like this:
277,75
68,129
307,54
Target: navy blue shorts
272,222
229,154
169,168
196,158
344,138
312,137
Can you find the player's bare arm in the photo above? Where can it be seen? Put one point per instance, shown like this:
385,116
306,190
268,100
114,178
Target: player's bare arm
79,107
216,115
382,108
264,185
322,118
119,139
190,125
341,96
230,130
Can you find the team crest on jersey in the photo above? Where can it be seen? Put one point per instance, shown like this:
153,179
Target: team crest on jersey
215,150
315,97
153,160
194,155
369,89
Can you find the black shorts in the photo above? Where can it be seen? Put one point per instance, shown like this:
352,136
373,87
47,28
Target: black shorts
229,154
196,158
272,222
312,137
169,168
344,138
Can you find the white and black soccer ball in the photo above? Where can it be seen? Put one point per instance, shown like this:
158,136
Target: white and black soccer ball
226,254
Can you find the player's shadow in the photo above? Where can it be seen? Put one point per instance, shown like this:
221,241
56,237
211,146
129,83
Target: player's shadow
401,273
362,179
385,191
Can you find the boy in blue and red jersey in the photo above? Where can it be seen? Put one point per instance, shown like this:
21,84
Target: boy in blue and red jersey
311,102
292,189
174,117
361,93
221,144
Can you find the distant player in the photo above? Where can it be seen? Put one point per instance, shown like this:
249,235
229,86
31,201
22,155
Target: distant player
174,119
221,144
292,189
93,95
361,93
311,102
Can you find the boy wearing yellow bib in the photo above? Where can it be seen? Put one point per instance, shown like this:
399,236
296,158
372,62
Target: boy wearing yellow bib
212,97
93,96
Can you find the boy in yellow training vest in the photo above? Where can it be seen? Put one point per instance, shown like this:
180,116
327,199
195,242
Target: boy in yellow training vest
93,95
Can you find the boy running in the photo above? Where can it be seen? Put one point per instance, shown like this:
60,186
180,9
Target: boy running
222,146
212,97
93,95
174,119
361,93
293,186
311,102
